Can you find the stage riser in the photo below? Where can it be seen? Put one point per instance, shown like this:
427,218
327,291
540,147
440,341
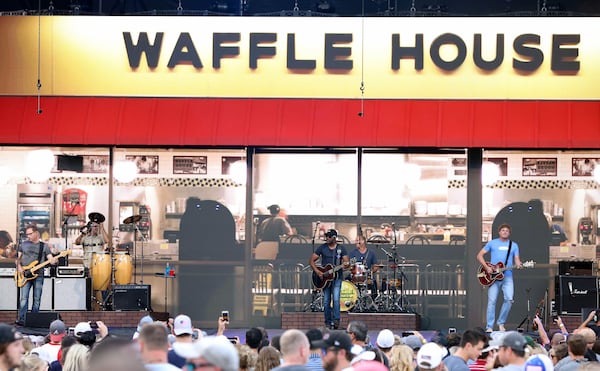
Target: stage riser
374,321
125,319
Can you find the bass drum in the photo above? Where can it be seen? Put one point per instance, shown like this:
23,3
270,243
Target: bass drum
100,271
123,268
348,296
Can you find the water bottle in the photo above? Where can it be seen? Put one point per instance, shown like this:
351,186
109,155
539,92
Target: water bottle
167,270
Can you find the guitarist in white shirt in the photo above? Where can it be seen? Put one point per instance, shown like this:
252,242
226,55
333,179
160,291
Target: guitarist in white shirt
337,256
505,251
29,251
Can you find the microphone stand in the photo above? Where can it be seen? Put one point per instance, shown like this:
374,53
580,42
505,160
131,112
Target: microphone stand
65,230
314,296
136,229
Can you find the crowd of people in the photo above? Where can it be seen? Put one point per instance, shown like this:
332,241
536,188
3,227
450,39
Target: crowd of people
177,345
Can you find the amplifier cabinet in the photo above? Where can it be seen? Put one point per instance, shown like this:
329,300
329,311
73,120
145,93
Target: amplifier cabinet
575,268
572,293
8,293
72,293
131,297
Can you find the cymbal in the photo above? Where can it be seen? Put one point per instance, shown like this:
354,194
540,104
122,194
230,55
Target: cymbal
96,218
132,219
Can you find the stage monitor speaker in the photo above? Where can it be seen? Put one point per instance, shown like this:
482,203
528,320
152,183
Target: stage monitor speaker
72,293
40,319
572,293
131,297
575,268
8,293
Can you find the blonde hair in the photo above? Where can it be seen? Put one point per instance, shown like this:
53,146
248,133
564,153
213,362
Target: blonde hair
401,358
247,357
268,358
32,362
76,358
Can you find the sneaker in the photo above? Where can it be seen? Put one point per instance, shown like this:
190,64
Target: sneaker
501,328
489,330
19,323
336,325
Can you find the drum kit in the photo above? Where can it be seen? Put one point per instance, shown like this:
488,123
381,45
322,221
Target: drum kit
109,268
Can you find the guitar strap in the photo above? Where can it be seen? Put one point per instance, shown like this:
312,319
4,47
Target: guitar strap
507,255
40,252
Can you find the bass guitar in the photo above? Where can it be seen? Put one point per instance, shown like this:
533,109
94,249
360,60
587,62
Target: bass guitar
486,279
328,274
29,271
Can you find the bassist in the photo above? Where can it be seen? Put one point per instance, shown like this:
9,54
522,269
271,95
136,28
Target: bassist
31,250
335,255
502,250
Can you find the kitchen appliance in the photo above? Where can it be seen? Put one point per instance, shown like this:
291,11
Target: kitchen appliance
35,205
585,227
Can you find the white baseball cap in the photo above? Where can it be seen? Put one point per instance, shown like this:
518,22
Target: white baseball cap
182,325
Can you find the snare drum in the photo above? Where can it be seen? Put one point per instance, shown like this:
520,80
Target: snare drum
101,268
348,296
359,273
123,268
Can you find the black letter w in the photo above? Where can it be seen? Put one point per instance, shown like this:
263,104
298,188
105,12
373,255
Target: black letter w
134,51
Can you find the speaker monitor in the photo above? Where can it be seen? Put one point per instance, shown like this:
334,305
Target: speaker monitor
131,297
572,293
72,293
575,268
8,293
40,319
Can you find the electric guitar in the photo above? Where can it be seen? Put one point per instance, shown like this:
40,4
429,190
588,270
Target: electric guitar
328,274
486,279
29,271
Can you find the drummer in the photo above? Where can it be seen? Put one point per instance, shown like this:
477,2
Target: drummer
93,238
367,258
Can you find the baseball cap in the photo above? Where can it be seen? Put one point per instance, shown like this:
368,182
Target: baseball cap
430,356
182,325
8,334
81,328
314,335
274,208
331,233
413,341
492,345
514,340
144,321
57,331
336,339
539,362
361,354
385,339
217,350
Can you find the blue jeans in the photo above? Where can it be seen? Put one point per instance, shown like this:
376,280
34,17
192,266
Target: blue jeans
507,287
333,288
38,285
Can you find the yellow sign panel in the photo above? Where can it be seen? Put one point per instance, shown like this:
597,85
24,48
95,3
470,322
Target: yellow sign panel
301,57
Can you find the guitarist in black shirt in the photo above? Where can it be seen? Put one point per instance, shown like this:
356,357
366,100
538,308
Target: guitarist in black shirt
30,251
334,258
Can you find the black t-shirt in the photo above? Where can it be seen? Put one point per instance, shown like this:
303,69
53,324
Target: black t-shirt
332,256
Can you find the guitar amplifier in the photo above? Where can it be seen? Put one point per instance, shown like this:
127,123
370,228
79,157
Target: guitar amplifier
131,297
572,293
575,268
71,271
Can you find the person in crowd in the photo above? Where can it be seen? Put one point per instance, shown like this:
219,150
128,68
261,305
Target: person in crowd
366,258
471,345
577,347
11,347
452,341
85,334
336,351
336,255
486,358
65,344
7,246
402,358
274,226
558,352
558,237
275,342
592,321
359,332
314,359
590,338
414,341
295,350
114,354
154,346
216,352
76,358
511,352
183,330
30,251
49,351
385,342
254,337
268,358
147,319
429,357
32,362
247,357
539,362
505,251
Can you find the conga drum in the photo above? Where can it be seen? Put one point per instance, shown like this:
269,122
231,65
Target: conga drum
123,268
101,269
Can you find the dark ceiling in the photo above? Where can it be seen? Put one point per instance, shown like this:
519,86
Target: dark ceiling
306,7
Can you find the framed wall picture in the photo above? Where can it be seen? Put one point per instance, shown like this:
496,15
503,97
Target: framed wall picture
189,165
95,164
145,164
540,166
584,166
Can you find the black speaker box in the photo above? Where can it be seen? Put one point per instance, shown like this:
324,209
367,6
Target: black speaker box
131,297
575,268
572,293
70,163
40,319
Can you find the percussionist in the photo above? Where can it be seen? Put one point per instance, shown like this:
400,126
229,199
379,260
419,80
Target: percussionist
93,238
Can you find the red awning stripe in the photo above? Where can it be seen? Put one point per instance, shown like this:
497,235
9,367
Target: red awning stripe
300,122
